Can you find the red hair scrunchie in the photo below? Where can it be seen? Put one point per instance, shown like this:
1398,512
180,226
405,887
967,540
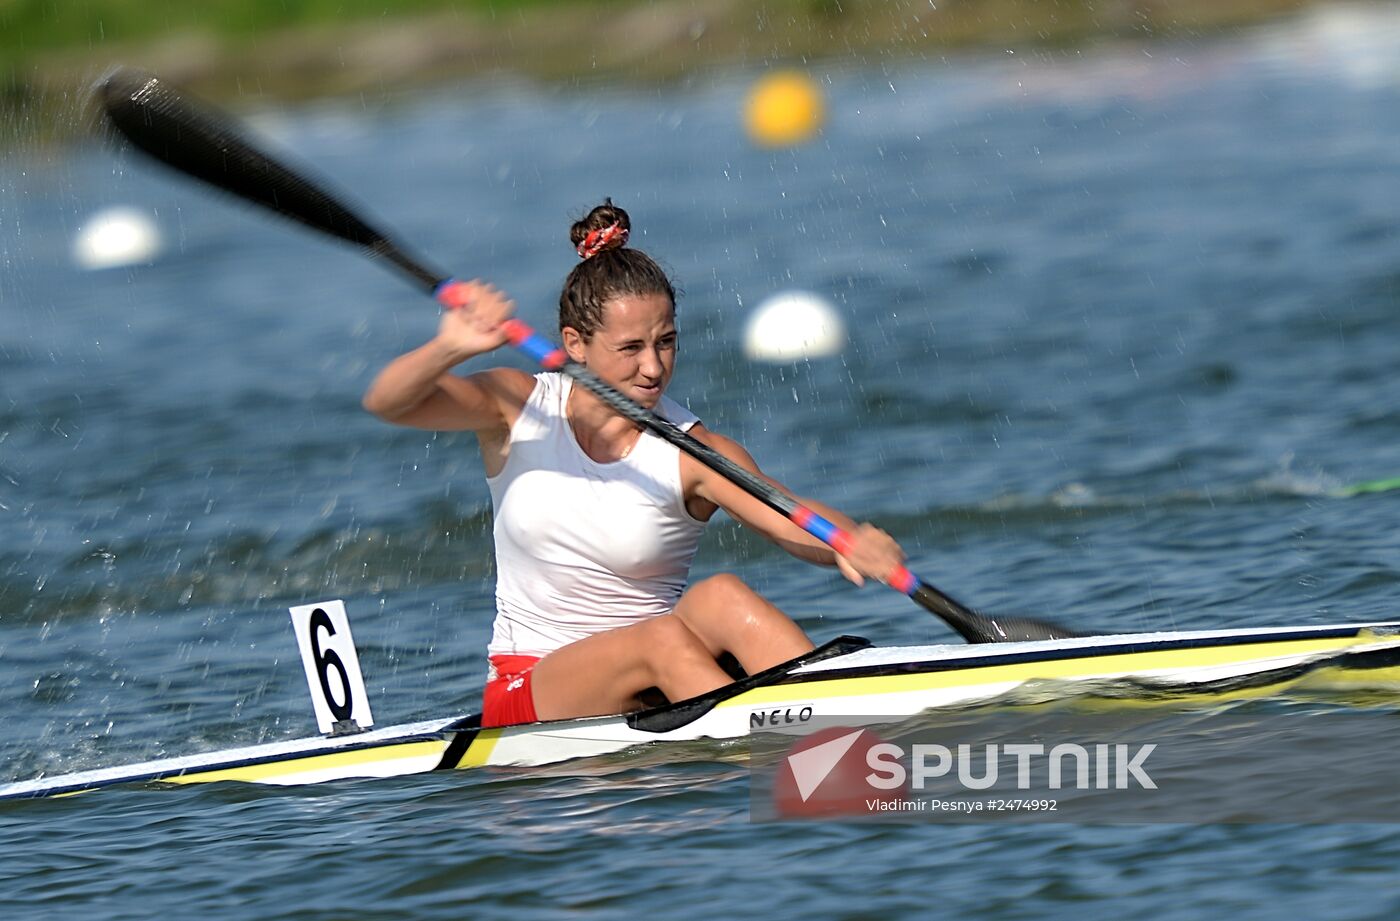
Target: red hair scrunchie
596,240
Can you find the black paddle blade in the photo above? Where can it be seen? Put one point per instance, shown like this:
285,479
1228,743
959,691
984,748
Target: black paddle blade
999,629
984,628
200,142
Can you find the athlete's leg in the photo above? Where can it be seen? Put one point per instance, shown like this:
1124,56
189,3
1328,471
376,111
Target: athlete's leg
728,616
603,673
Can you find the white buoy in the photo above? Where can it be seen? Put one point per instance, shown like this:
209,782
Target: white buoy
794,325
115,238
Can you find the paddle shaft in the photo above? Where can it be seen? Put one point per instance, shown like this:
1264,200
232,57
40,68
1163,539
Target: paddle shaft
206,145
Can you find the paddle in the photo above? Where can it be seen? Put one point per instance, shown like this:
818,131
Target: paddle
206,145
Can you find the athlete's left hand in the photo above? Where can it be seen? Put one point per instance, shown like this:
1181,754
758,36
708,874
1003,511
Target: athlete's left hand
873,554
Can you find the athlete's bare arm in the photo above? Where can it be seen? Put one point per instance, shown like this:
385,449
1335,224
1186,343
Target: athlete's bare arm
416,389
874,554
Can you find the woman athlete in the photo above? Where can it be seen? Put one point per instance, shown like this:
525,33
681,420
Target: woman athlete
596,520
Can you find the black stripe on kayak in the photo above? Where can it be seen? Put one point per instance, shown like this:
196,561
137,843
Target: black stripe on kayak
466,731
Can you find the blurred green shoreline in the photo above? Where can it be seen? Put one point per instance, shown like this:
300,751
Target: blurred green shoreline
242,51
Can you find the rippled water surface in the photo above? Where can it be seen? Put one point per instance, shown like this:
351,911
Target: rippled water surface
1124,327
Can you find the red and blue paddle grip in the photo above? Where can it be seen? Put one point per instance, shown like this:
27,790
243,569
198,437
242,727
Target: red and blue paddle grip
841,541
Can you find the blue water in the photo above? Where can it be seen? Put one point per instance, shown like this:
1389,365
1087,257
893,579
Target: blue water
1123,323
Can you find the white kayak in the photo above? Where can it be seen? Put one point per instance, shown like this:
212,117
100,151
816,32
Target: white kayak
846,677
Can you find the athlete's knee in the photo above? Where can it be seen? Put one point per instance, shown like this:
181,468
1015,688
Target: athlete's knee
724,587
726,602
669,638
670,647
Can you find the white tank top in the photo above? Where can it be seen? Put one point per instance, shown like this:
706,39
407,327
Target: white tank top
583,547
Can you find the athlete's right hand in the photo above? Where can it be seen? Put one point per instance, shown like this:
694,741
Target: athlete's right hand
872,553
471,324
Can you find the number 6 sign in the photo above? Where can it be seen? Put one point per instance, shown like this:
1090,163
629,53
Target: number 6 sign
332,667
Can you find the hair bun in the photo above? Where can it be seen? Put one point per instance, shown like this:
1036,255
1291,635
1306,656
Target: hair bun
605,228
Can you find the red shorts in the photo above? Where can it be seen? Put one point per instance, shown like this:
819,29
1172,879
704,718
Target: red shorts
507,699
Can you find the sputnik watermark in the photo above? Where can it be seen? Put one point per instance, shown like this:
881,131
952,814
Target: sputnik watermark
856,770
1098,767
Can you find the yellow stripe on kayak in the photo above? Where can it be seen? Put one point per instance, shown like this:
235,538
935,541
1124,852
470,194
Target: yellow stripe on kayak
1341,684
479,752
272,771
1090,665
